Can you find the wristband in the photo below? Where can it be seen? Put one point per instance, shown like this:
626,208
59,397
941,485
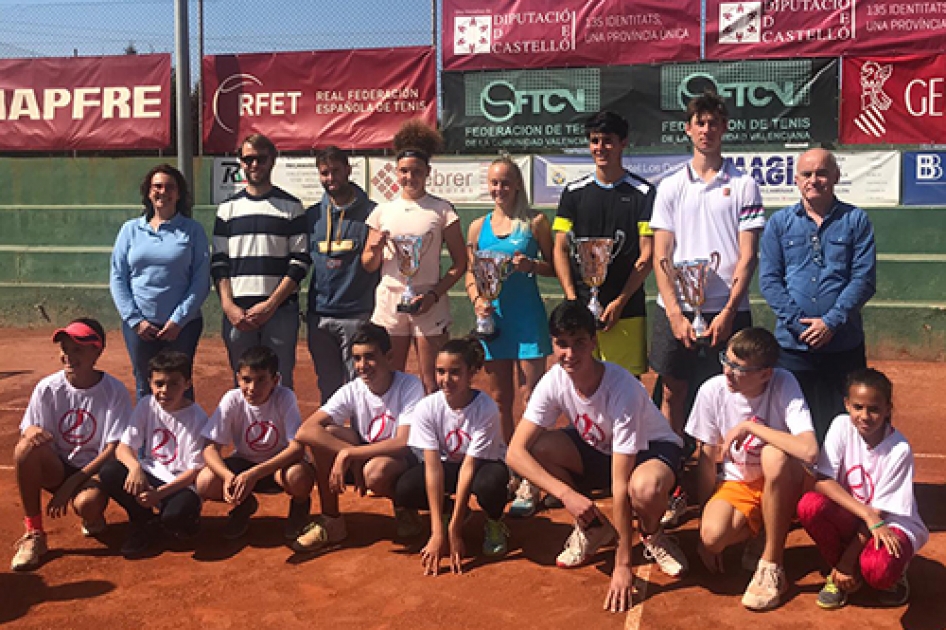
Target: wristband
877,526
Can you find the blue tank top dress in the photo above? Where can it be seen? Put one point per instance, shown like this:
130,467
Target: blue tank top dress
519,311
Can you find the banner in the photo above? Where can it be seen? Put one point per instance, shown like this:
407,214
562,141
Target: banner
552,172
770,102
822,28
924,178
529,34
459,181
894,100
869,179
303,100
85,103
299,176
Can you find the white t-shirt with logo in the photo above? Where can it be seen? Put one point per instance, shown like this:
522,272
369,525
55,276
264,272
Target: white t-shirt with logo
456,433
717,410
618,418
881,477
375,418
169,443
257,433
82,421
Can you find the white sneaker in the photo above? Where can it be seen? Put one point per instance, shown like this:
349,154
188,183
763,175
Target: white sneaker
30,550
321,532
526,502
582,544
676,508
766,588
664,550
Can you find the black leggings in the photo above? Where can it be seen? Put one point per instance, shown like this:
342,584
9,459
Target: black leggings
490,483
178,513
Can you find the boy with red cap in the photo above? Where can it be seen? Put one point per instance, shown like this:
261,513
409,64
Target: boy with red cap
71,427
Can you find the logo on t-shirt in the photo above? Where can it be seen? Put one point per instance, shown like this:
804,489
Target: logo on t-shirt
456,442
381,427
588,430
261,436
860,484
164,446
749,455
78,427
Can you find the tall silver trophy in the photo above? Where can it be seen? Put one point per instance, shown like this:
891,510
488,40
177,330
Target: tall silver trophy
593,255
690,278
408,250
490,269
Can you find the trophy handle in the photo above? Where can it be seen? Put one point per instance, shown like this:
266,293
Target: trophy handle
619,238
668,269
572,245
714,261
426,241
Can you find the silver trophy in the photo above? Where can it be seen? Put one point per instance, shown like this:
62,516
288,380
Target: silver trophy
690,278
593,255
408,250
490,269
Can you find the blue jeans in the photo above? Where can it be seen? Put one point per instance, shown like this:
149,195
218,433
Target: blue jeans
141,352
330,346
280,334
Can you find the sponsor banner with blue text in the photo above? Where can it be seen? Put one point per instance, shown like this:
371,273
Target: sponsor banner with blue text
299,176
552,172
459,181
924,178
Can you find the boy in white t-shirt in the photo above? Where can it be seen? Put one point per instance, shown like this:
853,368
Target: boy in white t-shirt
862,513
72,424
259,419
617,440
373,449
754,419
157,461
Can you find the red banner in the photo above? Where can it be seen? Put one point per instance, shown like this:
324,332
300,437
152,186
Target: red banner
84,103
894,100
353,99
512,34
823,28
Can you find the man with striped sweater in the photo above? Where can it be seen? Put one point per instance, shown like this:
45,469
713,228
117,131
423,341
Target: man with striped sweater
260,256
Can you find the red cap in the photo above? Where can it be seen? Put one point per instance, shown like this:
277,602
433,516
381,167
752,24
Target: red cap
80,333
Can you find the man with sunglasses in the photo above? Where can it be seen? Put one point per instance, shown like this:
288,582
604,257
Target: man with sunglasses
754,419
260,256
818,269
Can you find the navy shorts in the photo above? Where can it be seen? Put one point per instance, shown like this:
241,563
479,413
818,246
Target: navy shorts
266,485
596,466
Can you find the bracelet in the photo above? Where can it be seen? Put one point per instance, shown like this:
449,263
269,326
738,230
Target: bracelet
877,526
434,293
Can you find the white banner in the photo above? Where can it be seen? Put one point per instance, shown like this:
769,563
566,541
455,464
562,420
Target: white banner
459,181
869,179
296,175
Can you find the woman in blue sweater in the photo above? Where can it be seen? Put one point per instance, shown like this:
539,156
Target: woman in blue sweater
160,273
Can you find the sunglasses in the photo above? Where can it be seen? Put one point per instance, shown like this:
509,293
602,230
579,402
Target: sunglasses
249,160
735,367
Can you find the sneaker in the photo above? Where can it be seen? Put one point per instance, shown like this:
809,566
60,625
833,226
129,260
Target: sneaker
91,529
323,531
752,552
831,597
664,550
494,538
297,519
676,508
895,596
138,541
238,520
526,502
409,523
583,544
766,588
30,550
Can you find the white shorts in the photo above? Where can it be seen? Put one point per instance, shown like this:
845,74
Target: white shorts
433,323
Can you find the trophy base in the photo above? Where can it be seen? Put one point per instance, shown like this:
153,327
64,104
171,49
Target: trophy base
703,340
410,309
490,336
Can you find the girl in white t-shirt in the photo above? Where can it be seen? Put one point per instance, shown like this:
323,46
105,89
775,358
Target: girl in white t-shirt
862,513
426,319
458,431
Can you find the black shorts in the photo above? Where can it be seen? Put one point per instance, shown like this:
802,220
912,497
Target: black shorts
68,470
596,466
669,357
669,453
266,485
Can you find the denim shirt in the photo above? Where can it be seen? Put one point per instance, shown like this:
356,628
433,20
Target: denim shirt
810,271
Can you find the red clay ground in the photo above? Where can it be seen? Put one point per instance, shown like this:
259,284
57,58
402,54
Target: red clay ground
373,583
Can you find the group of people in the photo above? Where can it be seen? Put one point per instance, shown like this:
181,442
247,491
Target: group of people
782,424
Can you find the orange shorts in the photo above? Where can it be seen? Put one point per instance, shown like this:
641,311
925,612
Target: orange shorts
745,497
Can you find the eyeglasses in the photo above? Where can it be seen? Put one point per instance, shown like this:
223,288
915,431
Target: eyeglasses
249,160
817,252
735,367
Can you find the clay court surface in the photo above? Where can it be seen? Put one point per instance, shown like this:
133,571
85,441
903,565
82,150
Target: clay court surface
372,582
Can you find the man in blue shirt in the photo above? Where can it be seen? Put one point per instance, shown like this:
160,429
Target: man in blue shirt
341,292
818,269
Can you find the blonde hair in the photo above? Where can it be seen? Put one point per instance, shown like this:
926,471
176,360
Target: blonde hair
521,213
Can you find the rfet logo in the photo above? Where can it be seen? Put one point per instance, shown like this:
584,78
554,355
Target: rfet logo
78,427
238,96
457,442
381,427
588,430
261,436
163,446
860,484
472,35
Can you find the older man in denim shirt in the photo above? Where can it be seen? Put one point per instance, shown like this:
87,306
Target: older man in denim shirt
817,270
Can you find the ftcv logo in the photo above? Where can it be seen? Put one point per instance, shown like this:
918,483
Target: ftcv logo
874,101
472,35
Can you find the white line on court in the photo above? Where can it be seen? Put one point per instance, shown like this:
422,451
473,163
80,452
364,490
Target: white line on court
928,456
634,615
5,467
5,408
